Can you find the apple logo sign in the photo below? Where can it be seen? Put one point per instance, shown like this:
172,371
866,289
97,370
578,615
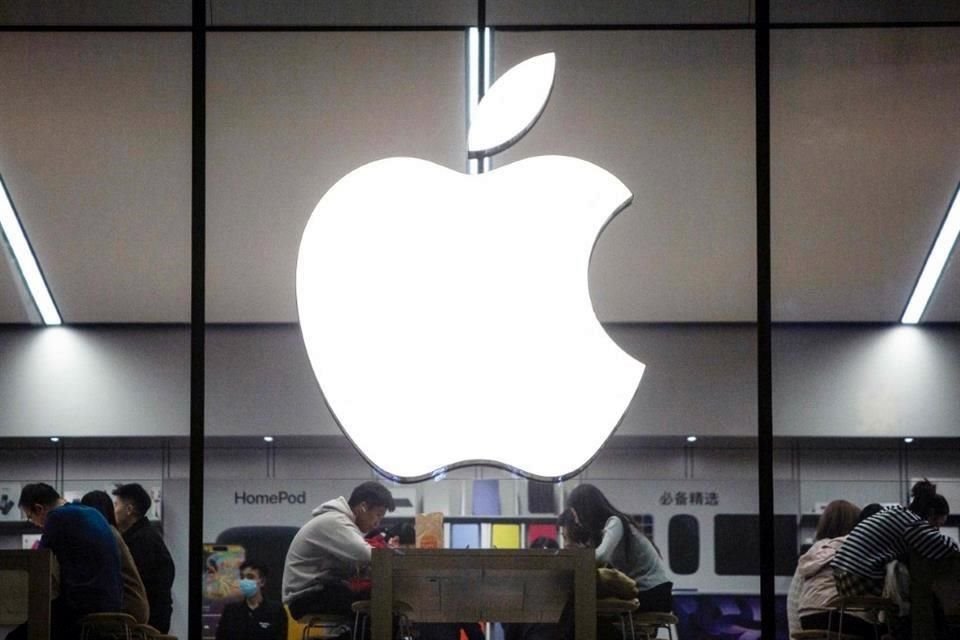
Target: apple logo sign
447,317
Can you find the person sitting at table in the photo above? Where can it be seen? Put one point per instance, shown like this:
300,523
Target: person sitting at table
134,594
859,567
619,543
817,591
89,560
330,550
254,617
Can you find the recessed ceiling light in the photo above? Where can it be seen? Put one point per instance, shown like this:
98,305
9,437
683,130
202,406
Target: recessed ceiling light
268,438
933,267
908,440
25,259
691,438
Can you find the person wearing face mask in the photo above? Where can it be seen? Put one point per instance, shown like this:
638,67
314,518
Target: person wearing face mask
254,617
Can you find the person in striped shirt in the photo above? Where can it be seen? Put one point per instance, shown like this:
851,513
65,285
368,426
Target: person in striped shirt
859,566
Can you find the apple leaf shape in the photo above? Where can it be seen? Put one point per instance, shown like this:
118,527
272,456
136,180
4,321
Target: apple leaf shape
511,106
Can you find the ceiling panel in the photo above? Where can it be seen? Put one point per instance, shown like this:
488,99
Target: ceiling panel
96,12
288,114
865,156
95,151
564,12
12,304
863,11
646,107
354,13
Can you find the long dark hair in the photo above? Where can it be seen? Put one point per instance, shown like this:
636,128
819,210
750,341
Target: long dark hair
593,510
926,501
102,502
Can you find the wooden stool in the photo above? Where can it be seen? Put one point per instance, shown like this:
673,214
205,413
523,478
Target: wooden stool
618,608
873,605
323,625
108,625
649,623
361,609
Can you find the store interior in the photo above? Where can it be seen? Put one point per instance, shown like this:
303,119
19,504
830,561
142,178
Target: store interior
96,155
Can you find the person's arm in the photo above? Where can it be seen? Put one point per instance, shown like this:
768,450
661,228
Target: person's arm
166,569
793,597
929,542
612,535
343,539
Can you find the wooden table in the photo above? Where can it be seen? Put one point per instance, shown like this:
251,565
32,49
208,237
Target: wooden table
495,585
38,566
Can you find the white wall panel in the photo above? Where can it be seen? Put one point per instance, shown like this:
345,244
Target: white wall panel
28,465
82,382
113,464
637,464
259,382
857,382
814,492
847,464
341,461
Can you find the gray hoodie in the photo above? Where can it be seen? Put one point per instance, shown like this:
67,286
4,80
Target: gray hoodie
329,547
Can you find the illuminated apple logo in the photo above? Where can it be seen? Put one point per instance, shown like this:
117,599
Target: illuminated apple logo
447,316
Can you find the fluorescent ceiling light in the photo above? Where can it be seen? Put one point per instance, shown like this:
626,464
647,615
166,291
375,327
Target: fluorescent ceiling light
25,260
933,268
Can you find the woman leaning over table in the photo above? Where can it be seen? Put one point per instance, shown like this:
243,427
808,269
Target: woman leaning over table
619,543
859,567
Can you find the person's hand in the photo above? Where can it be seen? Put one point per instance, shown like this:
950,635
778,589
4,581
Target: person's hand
394,542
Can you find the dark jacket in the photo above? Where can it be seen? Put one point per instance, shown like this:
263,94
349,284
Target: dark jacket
155,565
240,622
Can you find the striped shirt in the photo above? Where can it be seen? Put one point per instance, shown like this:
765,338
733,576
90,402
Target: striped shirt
887,536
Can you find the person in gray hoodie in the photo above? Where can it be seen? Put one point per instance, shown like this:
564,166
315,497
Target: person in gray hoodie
330,550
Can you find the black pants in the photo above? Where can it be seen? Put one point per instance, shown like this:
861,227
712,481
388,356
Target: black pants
334,598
